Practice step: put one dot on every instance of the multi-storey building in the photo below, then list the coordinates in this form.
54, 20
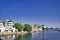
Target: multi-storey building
7, 25
36, 28
2, 27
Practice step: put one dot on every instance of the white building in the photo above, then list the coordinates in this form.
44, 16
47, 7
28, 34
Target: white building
7, 25
40, 29
2, 29
37, 28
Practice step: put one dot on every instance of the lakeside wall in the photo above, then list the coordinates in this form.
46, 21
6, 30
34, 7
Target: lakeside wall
13, 33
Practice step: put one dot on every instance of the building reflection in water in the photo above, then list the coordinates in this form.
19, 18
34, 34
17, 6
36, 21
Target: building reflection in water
29, 36
39, 35
35, 36
6, 37
44, 35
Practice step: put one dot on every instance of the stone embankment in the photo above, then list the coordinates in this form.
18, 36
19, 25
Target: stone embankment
13, 33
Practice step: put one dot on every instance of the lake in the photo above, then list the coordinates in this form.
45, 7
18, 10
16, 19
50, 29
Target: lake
44, 35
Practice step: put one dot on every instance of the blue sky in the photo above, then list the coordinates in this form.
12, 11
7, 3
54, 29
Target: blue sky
45, 12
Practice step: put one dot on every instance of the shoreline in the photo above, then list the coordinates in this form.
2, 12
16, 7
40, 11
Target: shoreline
14, 33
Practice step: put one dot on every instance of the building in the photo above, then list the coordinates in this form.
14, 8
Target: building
2, 27
36, 28
7, 25
39, 28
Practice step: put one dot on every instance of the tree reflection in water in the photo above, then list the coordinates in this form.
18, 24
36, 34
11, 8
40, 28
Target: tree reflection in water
24, 37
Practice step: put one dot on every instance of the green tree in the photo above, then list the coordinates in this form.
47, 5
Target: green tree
18, 26
28, 27
20, 37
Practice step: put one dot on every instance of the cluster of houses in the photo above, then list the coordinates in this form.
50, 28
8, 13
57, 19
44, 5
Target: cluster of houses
7, 26
37, 28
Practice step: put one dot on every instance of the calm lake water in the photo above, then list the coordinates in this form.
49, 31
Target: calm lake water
46, 35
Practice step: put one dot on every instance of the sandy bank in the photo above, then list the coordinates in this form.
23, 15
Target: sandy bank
13, 33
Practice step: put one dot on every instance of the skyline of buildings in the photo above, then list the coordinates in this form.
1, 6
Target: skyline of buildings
9, 21
7, 25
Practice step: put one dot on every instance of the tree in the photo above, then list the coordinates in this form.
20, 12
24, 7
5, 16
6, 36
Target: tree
28, 27
18, 26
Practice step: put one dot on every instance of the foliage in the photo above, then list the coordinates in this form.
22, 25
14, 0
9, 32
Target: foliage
20, 37
28, 27
28, 35
18, 26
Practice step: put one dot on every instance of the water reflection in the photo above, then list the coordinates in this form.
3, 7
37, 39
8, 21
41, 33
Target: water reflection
39, 36
20, 37
24, 37
6, 37
44, 35
28, 36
